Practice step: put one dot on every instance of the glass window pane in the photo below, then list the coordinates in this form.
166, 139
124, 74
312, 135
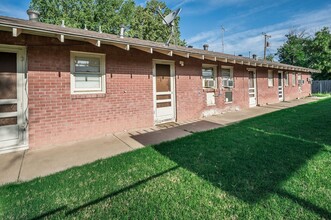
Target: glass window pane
8, 121
87, 64
163, 105
251, 79
228, 96
87, 81
163, 97
208, 73
226, 73
8, 108
163, 83
280, 79
8, 76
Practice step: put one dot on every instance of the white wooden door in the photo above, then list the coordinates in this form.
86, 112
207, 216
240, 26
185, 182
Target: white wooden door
252, 88
280, 86
164, 91
11, 98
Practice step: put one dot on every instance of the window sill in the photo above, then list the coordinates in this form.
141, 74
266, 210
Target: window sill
87, 96
209, 89
228, 103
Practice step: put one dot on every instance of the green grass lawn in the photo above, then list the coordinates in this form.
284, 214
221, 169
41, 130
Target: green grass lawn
276, 166
322, 94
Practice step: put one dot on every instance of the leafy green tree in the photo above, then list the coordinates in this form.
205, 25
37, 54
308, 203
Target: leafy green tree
147, 24
142, 22
308, 51
293, 51
270, 57
320, 53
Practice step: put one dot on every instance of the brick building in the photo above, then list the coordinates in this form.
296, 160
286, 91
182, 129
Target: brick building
60, 84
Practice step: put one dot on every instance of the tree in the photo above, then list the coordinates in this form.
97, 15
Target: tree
308, 51
320, 53
143, 22
270, 57
293, 51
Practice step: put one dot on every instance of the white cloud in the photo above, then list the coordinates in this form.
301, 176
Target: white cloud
252, 39
181, 3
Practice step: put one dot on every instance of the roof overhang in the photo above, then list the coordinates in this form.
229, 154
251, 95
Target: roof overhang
18, 26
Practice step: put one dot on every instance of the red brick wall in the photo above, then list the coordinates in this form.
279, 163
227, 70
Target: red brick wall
266, 95
56, 116
294, 92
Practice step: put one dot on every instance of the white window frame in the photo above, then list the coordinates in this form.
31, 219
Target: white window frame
214, 73
271, 80
229, 89
294, 78
287, 78
299, 78
102, 58
231, 73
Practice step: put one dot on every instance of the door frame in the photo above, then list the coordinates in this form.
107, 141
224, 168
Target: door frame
22, 94
255, 87
173, 83
282, 81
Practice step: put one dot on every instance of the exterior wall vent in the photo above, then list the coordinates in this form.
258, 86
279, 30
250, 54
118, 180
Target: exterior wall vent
33, 15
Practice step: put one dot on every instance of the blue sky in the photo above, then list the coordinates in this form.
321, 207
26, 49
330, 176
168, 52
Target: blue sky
243, 20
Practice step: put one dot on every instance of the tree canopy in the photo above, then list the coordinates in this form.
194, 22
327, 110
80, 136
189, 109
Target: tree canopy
142, 22
308, 51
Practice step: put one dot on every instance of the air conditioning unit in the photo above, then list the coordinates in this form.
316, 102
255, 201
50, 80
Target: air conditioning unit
301, 82
209, 83
227, 83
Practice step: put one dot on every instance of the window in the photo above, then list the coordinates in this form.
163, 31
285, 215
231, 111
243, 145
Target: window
87, 73
286, 78
270, 78
293, 79
227, 82
228, 96
227, 77
300, 81
209, 76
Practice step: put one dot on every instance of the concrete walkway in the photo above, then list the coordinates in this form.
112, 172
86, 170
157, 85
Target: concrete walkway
27, 165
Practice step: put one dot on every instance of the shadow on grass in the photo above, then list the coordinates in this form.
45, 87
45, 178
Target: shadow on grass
115, 193
305, 204
49, 213
251, 160
247, 163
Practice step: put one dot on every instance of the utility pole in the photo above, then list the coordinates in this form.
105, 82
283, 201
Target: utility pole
223, 30
266, 44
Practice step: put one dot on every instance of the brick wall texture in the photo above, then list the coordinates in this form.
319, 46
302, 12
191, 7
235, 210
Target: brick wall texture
56, 116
